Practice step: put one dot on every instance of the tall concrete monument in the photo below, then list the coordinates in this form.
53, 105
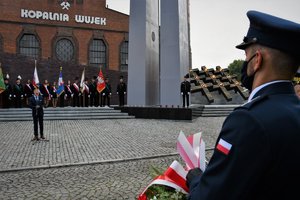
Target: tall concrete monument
159, 56
175, 49
143, 65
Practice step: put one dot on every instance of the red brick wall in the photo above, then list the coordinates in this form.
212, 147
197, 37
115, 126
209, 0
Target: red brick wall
12, 26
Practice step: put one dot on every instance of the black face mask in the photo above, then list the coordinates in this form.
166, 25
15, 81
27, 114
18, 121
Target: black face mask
246, 80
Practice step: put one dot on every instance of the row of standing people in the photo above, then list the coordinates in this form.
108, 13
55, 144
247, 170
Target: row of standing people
18, 95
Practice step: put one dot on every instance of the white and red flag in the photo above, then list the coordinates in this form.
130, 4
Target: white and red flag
223, 146
35, 80
101, 83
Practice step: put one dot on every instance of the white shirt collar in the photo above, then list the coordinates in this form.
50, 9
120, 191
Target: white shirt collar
262, 86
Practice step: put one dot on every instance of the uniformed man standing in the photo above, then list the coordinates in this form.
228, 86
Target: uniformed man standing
94, 95
28, 91
185, 90
18, 93
45, 90
68, 93
257, 152
7, 94
76, 92
85, 93
106, 93
121, 91
36, 104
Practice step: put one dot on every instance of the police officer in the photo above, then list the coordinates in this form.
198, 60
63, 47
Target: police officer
106, 93
36, 104
185, 90
121, 91
256, 154
6, 94
18, 93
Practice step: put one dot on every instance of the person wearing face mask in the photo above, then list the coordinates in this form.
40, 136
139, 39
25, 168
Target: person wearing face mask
256, 153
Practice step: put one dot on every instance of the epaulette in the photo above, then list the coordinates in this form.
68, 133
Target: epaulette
253, 102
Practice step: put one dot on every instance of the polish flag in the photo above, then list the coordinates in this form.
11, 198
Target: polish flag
224, 146
100, 84
35, 80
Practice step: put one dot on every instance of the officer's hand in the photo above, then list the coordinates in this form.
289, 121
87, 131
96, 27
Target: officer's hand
181, 93
88, 96
37, 106
124, 92
192, 174
188, 93
117, 92
103, 94
72, 95
110, 94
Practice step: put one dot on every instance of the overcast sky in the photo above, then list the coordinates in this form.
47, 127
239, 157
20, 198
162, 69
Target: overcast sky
218, 25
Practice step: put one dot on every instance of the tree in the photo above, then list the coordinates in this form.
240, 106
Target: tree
235, 68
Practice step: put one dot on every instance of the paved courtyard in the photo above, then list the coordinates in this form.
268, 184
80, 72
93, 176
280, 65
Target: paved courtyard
102, 159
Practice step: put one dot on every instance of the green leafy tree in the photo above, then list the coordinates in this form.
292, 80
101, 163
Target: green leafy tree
235, 68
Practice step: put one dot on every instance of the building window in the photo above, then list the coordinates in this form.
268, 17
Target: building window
124, 56
64, 50
97, 53
29, 46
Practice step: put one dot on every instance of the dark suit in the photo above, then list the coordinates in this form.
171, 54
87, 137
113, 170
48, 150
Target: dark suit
121, 90
6, 96
37, 113
263, 162
18, 95
106, 95
185, 90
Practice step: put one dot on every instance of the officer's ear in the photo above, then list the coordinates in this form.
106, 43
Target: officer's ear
258, 60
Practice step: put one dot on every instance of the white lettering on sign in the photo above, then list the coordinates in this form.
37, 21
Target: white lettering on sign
36, 14
90, 20
44, 15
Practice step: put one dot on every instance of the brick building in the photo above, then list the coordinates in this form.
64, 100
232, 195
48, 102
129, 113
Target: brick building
73, 34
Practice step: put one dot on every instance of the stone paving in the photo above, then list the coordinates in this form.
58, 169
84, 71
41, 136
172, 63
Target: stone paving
99, 159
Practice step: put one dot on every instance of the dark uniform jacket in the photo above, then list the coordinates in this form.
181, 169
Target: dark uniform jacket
263, 161
68, 91
33, 103
18, 91
28, 90
107, 89
185, 87
121, 88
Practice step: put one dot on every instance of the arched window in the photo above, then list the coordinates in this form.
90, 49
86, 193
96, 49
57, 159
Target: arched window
64, 50
97, 53
29, 46
124, 56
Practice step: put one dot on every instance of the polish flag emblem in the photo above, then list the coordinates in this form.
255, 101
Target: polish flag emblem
224, 146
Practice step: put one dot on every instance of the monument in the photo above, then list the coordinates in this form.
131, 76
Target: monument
143, 64
159, 55
175, 55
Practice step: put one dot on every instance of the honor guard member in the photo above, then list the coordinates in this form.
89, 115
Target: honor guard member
28, 91
185, 90
106, 93
68, 93
76, 92
257, 152
18, 93
94, 95
85, 93
121, 91
45, 90
6, 94
53, 90
36, 104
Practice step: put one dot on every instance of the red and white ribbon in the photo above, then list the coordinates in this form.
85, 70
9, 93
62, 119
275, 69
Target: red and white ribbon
192, 151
